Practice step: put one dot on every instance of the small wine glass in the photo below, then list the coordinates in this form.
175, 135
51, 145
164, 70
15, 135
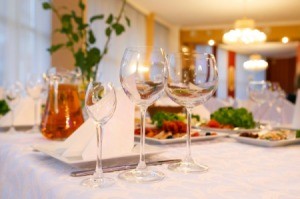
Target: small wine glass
259, 93
192, 80
34, 87
143, 75
13, 96
100, 103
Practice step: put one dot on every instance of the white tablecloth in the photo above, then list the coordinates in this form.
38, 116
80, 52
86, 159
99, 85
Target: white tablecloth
236, 170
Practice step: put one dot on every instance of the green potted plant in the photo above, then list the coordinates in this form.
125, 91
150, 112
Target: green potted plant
80, 38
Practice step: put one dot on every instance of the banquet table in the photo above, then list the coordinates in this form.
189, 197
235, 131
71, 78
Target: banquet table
236, 170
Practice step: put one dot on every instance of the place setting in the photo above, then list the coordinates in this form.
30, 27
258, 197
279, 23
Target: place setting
108, 134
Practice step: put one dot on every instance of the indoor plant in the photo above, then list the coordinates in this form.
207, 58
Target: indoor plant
80, 38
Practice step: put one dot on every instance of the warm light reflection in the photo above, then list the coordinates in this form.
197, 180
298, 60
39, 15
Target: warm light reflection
211, 42
285, 40
256, 63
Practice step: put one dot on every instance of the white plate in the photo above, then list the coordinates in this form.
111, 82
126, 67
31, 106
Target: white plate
182, 139
54, 151
236, 130
266, 143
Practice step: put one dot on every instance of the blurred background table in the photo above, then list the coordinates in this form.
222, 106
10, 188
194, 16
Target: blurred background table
236, 170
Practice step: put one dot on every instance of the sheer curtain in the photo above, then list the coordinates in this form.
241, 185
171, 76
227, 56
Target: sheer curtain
161, 36
25, 30
133, 36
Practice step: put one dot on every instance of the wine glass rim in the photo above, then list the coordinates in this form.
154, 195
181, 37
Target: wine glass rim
191, 53
138, 48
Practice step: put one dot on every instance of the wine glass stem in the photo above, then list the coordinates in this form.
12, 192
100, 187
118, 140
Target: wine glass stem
98, 171
188, 157
12, 119
142, 163
35, 126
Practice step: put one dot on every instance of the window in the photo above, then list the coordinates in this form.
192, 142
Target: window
25, 30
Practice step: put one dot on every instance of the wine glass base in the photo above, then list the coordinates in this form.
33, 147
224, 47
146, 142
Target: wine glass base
141, 176
11, 130
188, 167
93, 182
33, 130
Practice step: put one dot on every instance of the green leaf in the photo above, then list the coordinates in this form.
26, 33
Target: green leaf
82, 26
54, 48
108, 31
119, 28
127, 21
75, 37
92, 38
109, 19
69, 43
80, 59
96, 17
67, 26
47, 6
298, 134
4, 108
93, 57
81, 5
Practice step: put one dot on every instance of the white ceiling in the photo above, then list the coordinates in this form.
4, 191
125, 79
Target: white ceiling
203, 14
220, 13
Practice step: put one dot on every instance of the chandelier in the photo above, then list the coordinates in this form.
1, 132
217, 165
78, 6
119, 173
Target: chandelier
244, 33
256, 63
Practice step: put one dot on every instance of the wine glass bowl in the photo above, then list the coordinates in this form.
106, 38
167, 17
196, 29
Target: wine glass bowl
142, 76
192, 80
35, 85
259, 92
100, 102
13, 96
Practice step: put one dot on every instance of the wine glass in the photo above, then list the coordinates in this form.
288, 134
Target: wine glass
143, 75
34, 87
192, 80
259, 93
100, 103
13, 96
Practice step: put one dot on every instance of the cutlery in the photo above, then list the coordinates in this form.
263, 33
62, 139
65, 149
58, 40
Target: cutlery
120, 168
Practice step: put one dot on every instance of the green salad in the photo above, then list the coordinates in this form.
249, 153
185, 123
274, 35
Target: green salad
239, 117
159, 117
4, 108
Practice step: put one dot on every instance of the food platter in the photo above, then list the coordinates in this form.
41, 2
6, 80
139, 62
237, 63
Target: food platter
201, 137
230, 131
291, 139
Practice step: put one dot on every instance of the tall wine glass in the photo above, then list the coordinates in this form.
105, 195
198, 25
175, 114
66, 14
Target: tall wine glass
13, 96
34, 87
192, 80
259, 93
143, 75
100, 103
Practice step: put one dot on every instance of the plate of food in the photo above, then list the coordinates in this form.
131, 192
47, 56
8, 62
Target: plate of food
269, 138
231, 120
168, 128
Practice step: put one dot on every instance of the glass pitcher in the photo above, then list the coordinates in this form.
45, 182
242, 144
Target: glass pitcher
62, 114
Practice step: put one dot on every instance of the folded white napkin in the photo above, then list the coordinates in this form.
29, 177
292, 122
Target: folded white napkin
214, 104
279, 113
118, 137
23, 114
296, 115
202, 111
165, 101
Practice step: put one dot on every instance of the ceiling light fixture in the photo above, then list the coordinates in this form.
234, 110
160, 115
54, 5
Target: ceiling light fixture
244, 32
285, 40
256, 63
211, 42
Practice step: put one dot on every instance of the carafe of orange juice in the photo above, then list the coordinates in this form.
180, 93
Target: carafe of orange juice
62, 114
